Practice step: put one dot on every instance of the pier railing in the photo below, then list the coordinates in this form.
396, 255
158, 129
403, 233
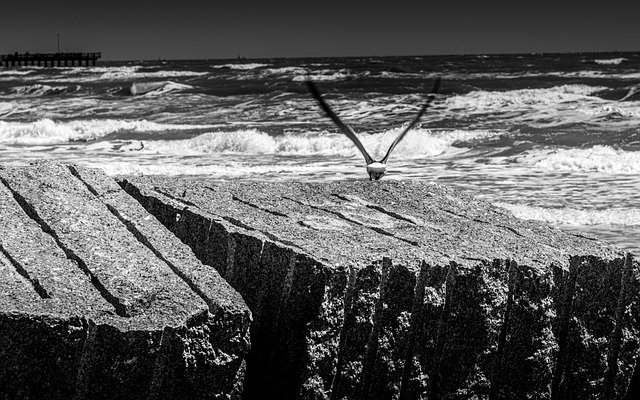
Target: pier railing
49, 59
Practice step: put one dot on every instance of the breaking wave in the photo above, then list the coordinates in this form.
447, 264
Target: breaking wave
418, 143
183, 168
576, 217
610, 61
241, 66
156, 88
15, 72
83, 74
596, 159
480, 99
47, 131
286, 70
325, 76
42, 90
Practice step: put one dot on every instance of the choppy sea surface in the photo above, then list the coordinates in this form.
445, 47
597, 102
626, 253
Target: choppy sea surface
552, 137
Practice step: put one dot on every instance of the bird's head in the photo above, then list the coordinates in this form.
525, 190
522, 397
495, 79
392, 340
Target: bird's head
376, 170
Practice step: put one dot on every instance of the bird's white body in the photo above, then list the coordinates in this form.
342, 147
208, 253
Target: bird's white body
376, 170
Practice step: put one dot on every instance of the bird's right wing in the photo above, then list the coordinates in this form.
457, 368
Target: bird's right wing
436, 87
346, 129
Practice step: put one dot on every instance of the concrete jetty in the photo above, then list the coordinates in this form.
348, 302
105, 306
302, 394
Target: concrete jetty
384, 290
99, 300
408, 290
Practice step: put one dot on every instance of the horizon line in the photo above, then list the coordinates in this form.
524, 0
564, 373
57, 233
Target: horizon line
245, 58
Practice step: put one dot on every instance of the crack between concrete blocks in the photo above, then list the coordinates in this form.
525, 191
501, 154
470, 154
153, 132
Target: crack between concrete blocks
120, 308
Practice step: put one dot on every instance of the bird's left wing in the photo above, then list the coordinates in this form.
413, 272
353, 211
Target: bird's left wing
436, 87
346, 129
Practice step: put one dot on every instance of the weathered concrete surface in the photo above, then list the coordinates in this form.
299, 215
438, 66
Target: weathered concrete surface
393, 290
99, 300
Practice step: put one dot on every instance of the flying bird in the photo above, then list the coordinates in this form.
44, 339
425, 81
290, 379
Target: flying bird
375, 169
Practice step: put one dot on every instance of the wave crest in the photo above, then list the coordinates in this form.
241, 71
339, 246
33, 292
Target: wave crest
481, 99
610, 61
156, 88
418, 143
596, 159
42, 90
242, 67
47, 131
576, 217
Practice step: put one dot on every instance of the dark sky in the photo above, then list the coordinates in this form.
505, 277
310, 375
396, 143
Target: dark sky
181, 29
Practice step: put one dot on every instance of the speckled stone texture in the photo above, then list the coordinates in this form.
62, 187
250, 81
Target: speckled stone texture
407, 290
98, 300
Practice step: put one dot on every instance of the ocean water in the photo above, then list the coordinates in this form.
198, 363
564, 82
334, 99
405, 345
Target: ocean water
552, 137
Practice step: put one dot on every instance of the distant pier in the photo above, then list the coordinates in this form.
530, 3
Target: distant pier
49, 59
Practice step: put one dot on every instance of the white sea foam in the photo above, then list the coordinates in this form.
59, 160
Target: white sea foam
603, 159
42, 90
47, 131
286, 70
610, 61
241, 66
98, 70
15, 72
590, 74
632, 91
134, 72
157, 88
182, 168
482, 100
576, 217
418, 143
299, 74
546, 108
630, 110
323, 76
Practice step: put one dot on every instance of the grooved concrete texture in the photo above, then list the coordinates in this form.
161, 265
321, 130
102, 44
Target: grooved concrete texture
407, 290
99, 300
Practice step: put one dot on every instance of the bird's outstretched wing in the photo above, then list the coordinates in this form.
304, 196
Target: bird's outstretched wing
346, 129
436, 86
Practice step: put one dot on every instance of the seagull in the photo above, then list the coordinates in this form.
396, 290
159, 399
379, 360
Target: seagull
375, 169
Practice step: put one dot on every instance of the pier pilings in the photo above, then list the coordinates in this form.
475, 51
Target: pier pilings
49, 59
